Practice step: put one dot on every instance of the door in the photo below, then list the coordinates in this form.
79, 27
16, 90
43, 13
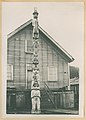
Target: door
29, 78
29, 75
28, 92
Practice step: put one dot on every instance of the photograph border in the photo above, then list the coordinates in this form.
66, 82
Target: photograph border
1, 64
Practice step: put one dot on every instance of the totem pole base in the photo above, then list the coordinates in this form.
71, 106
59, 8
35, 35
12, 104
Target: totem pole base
35, 105
36, 111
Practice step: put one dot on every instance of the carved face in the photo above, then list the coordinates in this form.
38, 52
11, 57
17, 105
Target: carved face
35, 72
35, 68
36, 84
35, 54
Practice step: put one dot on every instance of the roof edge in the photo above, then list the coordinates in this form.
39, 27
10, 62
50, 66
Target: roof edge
71, 58
19, 28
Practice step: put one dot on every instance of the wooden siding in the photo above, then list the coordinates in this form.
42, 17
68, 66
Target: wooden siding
48, 57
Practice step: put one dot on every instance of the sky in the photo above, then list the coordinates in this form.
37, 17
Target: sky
62, 21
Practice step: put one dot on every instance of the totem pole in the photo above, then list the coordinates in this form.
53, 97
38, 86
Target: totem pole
35, 85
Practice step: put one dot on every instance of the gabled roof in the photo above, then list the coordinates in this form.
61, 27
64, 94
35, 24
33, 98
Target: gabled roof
70, 58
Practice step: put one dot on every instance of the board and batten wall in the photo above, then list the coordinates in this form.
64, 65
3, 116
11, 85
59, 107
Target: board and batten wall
53, 66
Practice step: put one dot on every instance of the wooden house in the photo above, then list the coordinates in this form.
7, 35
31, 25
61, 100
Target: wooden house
53, 65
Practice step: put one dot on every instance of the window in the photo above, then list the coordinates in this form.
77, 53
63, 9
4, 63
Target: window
52, 73
28, 46
9, 72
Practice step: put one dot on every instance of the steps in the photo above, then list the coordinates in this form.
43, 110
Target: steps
46, 102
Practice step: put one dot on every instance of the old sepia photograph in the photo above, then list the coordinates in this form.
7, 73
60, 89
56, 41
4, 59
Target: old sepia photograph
43, 58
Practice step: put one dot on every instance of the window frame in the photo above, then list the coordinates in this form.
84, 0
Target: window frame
55, 77
26, 45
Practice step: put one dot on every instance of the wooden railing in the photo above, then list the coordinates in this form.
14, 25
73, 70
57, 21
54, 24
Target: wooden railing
49, 93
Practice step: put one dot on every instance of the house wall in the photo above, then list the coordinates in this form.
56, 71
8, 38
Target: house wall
48, 58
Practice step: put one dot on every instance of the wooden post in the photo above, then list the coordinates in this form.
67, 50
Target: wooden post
68, 77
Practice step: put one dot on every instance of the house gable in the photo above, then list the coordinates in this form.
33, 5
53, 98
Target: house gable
51, 40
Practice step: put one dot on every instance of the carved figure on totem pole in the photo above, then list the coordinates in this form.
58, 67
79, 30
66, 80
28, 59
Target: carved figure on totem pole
35, 96
36, 45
